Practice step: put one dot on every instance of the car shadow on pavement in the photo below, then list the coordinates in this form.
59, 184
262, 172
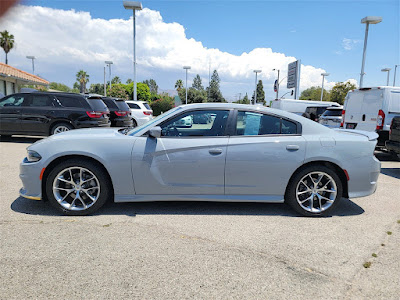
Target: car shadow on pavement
385, 156
19, 139
32, 207
393, 172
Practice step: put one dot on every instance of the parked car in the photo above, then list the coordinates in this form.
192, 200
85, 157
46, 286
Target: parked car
141, 112
274, 156
120, 114
299, 107
184, 122
393, 144
372, 109
332, 117
43, 113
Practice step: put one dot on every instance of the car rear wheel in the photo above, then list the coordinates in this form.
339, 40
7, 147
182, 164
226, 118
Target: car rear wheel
134, 123
78, 187
314, 191
60, 127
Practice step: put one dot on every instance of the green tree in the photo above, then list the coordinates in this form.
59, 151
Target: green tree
118, 90
340, 90
128, 81
179, 85
59, 87
245, 100
6, 42
115, 80
96, 88
82, 77
260, 93
143, 91
314, 93
152, 84
194, 95
197, 83
215, 93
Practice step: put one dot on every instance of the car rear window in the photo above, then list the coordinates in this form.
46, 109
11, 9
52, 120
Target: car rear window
110, 103
122, 105
69, 101
97, 104
332, 113
147, 105
133, 105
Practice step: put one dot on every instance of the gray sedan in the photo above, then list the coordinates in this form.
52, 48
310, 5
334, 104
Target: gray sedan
244, 153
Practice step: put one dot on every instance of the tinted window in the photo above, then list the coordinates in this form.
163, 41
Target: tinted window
147, 106
110, 103
332, 113
133, 105
68, 101
15, 100
97, 105
122, 105
40, 101
251, 123
197, 123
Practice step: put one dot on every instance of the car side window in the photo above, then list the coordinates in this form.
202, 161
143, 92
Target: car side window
252, 123
197, 123
133, 105
68, 101
11, 101
40, 101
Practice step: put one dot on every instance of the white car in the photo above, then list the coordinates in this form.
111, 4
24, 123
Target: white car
332, 117
141, 112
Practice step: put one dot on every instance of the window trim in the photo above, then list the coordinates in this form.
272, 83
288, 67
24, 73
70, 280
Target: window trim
299, 128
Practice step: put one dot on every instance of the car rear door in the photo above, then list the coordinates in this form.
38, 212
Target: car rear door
10, 113
183, 161
262, 155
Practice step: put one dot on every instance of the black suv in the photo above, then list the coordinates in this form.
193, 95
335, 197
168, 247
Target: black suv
44, 113
393, 144
120, 114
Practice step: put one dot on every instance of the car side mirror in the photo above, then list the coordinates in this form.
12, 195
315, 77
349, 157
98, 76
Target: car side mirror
155, 132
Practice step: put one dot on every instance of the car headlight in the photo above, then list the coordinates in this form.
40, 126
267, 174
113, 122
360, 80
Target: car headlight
33, 156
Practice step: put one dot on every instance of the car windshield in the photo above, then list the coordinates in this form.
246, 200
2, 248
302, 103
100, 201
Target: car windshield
148, 124
332, 113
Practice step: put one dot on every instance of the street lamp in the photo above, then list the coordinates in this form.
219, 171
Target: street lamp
388, 72
134, 5
367, 20
277, 84
322, 89
394, 78
255, 91
186, 68
33, 63
108, 64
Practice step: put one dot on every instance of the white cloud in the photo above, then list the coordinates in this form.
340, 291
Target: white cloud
349, 44
66, 41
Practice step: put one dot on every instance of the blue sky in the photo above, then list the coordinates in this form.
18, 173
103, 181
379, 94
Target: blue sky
323, 34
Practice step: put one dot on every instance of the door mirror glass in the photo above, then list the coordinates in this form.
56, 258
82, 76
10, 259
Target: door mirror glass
155, 132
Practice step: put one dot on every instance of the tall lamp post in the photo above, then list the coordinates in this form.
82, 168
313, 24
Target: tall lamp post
255, 91
367, 20
394, 78
134, 5
322, 89
388, 73
186, 68
277, 84
33, 63
108, 64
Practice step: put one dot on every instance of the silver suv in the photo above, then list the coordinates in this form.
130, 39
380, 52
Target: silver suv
332, 117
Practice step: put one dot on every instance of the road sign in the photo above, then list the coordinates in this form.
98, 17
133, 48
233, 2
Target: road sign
276, 86
292, 75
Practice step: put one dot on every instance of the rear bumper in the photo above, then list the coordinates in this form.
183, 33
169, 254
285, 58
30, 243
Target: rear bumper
90, 124
122, 122
393, 146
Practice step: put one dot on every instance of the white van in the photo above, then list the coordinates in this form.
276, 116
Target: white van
371, 109
299, 106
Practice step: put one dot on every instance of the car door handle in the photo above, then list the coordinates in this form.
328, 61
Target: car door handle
215, 151
292, 147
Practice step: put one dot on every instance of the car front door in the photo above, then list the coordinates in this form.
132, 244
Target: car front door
262, 155
188, 158
10, 114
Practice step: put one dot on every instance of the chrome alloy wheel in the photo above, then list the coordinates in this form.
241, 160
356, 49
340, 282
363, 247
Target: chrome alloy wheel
60, 128
76, 188
316, 192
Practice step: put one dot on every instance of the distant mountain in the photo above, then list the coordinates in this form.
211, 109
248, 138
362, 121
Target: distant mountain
172, 93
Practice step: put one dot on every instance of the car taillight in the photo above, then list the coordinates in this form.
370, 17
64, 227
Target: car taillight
95, 114
121, 113
147, 113
343, 113
380, 120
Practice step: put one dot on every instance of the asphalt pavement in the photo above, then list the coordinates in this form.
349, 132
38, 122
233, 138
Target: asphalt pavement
198, 250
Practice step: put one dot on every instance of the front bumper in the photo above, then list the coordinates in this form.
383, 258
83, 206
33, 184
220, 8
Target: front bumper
23, 193
29, 173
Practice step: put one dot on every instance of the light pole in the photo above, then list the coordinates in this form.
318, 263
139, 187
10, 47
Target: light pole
394, 78
105, 94
255, 91
277, 84
322, 89
108, 64
186, 68
33, 63
367, 20
388, 72
134, 5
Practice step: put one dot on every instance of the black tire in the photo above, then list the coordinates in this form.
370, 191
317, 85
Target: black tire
105, 191
134, 123
56, 126
294, 184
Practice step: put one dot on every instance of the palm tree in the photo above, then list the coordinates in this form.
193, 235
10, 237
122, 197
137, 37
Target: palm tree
179, 85
82, 77
6, 42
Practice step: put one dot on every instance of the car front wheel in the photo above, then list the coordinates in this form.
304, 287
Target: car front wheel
61, 127
314, 191
78, 187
